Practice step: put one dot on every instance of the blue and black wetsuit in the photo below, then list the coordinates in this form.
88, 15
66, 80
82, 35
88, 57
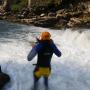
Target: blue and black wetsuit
44, 49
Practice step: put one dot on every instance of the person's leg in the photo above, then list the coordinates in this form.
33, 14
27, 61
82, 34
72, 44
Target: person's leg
46, 78
35, 81
35, 78
46, 82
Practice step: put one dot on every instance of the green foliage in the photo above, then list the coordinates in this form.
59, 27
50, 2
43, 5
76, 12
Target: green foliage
23, 3
16, 8
19, 5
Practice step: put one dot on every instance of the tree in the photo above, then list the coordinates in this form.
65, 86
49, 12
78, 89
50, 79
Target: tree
7, 5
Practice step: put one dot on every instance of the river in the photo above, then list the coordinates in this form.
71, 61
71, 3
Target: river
69, 72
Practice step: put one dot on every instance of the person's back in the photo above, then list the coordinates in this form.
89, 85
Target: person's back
44, 49
45, 54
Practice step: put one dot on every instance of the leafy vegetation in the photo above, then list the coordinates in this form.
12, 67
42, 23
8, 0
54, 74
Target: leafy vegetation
19, 5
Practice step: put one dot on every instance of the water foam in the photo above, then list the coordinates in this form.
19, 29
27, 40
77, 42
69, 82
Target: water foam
70, 72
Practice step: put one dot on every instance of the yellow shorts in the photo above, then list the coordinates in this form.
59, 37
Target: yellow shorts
42, 72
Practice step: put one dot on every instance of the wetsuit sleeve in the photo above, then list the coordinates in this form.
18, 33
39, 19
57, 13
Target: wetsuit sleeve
33, 52
56, 50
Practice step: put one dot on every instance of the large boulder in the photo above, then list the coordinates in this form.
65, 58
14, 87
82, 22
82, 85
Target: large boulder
48, 22
4, 79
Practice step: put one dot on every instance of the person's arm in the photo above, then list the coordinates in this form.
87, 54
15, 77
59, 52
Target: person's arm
33, 52
56, 50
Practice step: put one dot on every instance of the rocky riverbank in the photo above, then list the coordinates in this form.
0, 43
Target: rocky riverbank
68, 20
62, 18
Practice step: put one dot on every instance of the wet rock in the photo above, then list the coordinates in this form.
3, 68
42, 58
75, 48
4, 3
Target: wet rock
47, 22
51, 14
42, 15
89, 8
61, 14
62, 23
23, 14
4, 79
74, 22
27, 21
1, 14
75, 14
60, 11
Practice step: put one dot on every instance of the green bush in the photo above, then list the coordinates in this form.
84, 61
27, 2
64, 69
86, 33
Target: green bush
19, 5
16, 8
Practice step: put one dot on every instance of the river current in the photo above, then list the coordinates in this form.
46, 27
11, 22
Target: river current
69, 72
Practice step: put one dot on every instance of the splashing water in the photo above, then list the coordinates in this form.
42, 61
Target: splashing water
69, 72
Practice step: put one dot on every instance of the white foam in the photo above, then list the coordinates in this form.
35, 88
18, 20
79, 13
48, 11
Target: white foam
70, 72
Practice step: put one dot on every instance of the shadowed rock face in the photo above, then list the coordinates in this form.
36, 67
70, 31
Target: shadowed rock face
4, 79
66, 3
70, 3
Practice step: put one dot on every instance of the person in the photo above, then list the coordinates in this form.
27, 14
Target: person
44, 49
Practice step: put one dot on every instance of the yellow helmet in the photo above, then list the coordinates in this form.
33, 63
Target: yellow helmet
45, 36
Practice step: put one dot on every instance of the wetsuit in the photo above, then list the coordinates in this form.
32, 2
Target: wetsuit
44, 49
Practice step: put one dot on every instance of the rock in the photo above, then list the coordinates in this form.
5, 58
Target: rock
23, 14
75, 14
1, 14
51, 14
74, 22
89, 8
62, 23
60, 11
42, 15
47, 22
27, 21
20, 16
62, 14
4, 79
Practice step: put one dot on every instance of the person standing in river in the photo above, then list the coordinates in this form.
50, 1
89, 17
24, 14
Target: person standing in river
44, 49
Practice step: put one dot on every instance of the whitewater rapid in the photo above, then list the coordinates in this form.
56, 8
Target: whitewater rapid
69, 72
